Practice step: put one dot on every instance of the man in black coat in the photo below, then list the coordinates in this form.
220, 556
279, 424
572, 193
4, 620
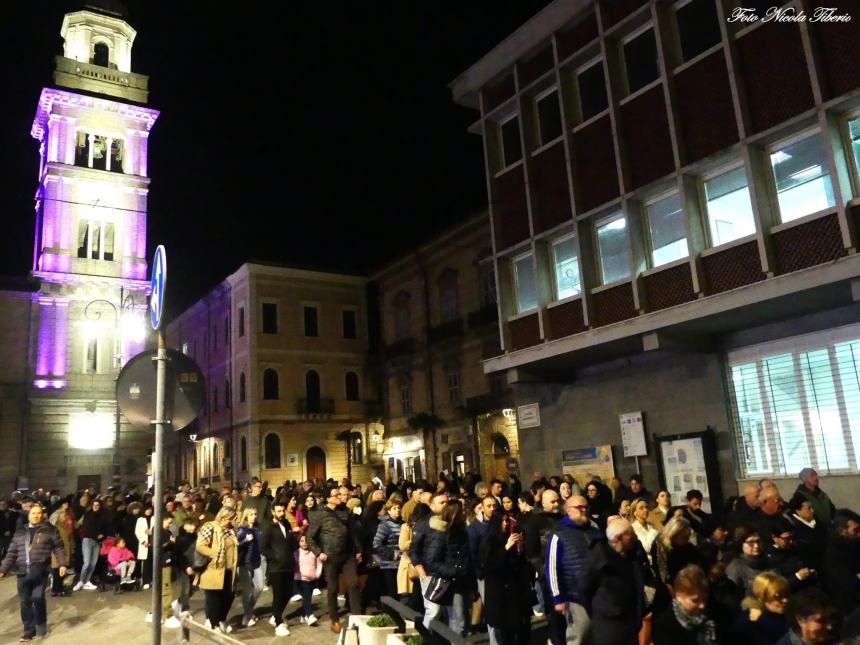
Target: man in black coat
699, 520
612, 587
842, 562
808, 534
536, 533
278, 546
332, 537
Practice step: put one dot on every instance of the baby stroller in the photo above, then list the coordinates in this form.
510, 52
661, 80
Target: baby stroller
110, 578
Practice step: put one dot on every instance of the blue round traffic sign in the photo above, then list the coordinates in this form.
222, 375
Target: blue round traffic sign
157, 282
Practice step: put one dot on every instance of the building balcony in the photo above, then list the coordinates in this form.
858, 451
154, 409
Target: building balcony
447, 331
400, 348
315, 406
486, 315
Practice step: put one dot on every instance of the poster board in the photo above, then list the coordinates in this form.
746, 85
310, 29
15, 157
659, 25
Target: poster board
687, 461
528, 416
586, 464
633, 434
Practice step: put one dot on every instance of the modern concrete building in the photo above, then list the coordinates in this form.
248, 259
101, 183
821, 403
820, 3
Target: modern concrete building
438, 317
673, 192
284, 354
66, 335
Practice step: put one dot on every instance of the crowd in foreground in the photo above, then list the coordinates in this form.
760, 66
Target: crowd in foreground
604, 563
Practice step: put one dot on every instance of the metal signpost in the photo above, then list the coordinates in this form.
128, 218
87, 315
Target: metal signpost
156, 306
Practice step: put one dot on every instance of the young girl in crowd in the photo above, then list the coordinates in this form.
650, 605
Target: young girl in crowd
308, 570
121, 561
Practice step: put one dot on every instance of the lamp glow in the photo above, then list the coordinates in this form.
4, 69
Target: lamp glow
133, 328
91, 430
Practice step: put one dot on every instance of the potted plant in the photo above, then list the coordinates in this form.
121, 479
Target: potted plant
409, 638
373, 630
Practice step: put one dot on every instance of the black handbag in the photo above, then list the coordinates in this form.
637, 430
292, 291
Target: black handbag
437, 590
198, 561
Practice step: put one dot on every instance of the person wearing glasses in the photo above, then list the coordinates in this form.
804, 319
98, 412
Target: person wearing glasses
750, 562
567, 550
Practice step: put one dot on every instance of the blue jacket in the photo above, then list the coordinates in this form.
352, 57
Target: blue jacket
385, 543
249, 552
477, 531
566, 551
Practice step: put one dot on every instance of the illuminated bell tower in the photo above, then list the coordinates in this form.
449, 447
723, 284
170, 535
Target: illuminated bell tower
89, 255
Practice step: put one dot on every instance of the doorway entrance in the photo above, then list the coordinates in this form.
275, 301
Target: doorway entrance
501, 453
315, 462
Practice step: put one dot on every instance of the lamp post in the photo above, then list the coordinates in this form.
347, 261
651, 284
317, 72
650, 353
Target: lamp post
126, 308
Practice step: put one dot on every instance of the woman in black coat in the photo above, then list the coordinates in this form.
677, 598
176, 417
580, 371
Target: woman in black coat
508, 580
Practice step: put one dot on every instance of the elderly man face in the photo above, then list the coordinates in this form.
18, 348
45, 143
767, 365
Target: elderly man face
751, 494
770, 501
576, 509
810, 479
549, 501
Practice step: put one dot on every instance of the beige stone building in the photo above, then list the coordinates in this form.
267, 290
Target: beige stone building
284, 354
439, 322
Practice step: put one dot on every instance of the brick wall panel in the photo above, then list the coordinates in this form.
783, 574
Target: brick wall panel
614, 305
525, 332
510, 211
668, 288
806, 245
566, 319
550, 196
735, 267
595, 176
646, 132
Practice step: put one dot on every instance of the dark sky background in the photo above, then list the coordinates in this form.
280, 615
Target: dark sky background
317, 134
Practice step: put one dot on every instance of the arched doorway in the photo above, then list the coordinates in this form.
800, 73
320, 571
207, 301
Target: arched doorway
315, 462
501, 453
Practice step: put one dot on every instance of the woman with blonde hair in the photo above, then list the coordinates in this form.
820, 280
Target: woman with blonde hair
249, 569
643, 529
672, 550
217, 541
762, 621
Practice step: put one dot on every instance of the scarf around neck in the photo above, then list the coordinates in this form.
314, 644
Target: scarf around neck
705, 627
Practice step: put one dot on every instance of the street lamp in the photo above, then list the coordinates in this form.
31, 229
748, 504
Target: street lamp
126, 325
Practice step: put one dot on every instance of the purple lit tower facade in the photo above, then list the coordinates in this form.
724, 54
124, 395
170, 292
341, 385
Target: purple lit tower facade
87, 317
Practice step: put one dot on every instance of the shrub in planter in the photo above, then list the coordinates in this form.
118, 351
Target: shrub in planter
381, 620
415, 639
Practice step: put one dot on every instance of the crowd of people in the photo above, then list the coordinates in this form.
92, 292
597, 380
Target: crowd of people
601, 562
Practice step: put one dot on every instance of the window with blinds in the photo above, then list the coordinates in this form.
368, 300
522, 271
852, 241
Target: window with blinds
796, 403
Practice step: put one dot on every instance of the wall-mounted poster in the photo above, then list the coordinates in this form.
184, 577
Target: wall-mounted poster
586, 464
293, 459
528, 416
633, 434
689, 461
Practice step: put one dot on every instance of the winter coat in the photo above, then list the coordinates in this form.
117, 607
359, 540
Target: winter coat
508, 580
8, 523
567, 551
405, 570
118, 555
612, 590
308, 566
441, 553
820, 502
333, 532
127, 530
249, 551
184, 542
666, 630
767, 629
386, 541
477, 530
97, 524
743, 570
210, 541
141, 526
841, 566
809, 541
279, 547
67, 535
536, 534
45, 542
657, 518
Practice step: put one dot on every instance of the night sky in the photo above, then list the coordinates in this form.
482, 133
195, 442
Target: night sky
316, 134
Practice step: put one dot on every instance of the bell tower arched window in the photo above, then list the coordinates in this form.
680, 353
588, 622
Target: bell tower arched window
101, 55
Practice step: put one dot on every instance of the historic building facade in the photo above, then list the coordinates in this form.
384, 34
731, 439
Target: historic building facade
675, 232
438, 322
68, 334
284, 354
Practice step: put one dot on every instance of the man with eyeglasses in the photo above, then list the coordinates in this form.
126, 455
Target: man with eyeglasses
783, 558
536, 532
567, 550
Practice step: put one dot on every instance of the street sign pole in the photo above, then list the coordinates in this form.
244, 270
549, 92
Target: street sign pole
158, 476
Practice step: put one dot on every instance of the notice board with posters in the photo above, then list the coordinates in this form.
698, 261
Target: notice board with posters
586, 464
687, 461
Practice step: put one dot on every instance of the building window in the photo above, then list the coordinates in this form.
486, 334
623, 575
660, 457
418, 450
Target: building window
449, 306
357, 448
311, 315
668, 234
698, 26
402, 315
854, 136
592, 90
453, 379
549, 116
95, 240
270, 318
352, 388
613, 249
215, 399
488, 284
802, 181
101, 55
243, 453
99, 152
730, 213
510, 140
525, 283
270, 385
405, 397
91, 355
241, 322
272, 445
566, 268
227, 395
312, 391
640, 60
241, 387
349, 324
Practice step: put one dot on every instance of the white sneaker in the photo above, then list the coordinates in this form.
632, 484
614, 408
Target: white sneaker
148, 618
172, 623
145, 587
207, 624
311, 620
296, 597
316, 592
252, 622
175, 606
272, 621
302, 620
90, 587
78, 586
224, 627
282, 630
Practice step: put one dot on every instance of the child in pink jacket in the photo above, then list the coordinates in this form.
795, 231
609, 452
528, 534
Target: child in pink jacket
121, 560
308, 570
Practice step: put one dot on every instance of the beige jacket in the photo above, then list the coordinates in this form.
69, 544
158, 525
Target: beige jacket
212, 577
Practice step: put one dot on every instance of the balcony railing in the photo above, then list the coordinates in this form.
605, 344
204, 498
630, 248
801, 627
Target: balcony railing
315, 406
447, 330
486, 315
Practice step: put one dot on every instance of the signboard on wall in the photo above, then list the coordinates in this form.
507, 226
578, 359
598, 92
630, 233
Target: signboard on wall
586, 464
528, 416
633, 434
690, 461
293, 459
